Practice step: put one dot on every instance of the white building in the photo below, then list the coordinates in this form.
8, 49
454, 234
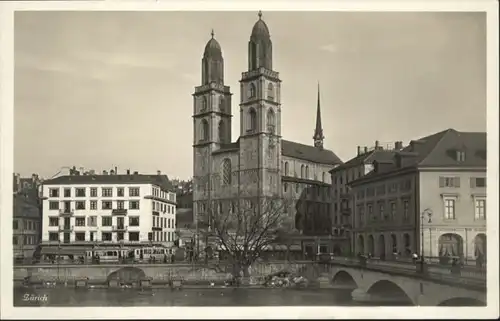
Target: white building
129, 209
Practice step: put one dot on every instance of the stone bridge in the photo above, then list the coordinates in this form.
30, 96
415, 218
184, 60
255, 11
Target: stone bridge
403, 284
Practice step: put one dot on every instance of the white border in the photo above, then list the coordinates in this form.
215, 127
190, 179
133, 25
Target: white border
6, 162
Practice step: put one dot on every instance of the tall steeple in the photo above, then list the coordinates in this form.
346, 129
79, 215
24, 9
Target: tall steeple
318, 132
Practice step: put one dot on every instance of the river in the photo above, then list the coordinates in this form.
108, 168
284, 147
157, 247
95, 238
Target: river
71, 297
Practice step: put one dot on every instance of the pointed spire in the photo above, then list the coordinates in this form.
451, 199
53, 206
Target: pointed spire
318, 132
212, 33
260, 14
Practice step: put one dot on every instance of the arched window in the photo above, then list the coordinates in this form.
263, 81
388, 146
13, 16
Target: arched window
251, 91
286, 168
270, 91
221, 103
222, 132
307, 172
226, 171
252, 120
285, 187
204, 130
270, 121
302, 171
204, 103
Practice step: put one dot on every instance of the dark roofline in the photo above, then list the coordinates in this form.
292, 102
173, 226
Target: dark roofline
123, 179
303, 181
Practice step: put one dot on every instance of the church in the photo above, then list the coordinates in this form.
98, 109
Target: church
259, 164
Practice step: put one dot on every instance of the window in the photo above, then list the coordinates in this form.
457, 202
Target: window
67, 192
93, 205
226, 172
204, 103
107, 192
480, 209
54, 192
406, 209
15, 224
271, 122
80, 221
393, 210
449, 181
133, 191
478, 182
106, 221
80, 205
92, 221
381, 211
221, 103
107, 205
120, 205
133, 236
53, 221
133, 205
120, 191
93, 192
80, 236
53, 205
133, 221
361, 215
222, 132
285, 187
106, 236
80, 192
252, 120
204, 130
251, 91
449, 209
324, 177
14, 240
460, 156
53, 236
286, 169
307, 172
270, 92
302, 171
370, 212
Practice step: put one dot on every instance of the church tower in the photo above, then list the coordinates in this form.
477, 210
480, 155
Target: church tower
211, 123
260, 116
318, 132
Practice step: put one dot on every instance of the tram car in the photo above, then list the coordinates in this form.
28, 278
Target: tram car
106, 255
151, 254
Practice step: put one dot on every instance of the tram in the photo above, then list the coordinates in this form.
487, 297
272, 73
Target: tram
157, 254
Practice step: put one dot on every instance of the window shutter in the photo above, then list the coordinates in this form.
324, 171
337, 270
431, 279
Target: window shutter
472, 182
441, 182
456, 182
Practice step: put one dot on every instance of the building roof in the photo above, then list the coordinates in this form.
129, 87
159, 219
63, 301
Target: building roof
159, 180
437, 150
213, 49
260, 29
380, 155
309, 153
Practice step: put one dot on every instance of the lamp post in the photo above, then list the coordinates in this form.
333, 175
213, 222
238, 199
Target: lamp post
427, 212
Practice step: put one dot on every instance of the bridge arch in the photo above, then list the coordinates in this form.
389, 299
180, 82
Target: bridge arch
385, 290
462, 302
127, 274
343, 278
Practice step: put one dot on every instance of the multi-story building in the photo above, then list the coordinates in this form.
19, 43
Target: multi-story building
26, 226
342, 175
430, 198
127, 209
260, 164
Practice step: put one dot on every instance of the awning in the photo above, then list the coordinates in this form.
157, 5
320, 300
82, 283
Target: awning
54, 250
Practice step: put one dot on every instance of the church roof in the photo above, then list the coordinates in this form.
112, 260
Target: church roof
212, 48
309, 153
260, 29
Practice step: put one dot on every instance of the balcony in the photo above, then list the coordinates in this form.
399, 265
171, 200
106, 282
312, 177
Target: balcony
66, 228
121, 211
120, 228
66, 211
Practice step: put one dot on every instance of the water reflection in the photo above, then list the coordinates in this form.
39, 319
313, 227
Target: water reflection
186, 297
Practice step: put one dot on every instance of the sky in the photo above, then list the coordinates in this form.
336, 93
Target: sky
104, 89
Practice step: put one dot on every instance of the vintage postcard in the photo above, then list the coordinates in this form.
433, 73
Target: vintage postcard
245, 160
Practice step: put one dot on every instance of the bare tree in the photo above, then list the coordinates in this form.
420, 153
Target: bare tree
245, 228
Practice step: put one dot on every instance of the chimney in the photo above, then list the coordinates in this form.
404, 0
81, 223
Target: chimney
158, 172
359, 150
398, 145
116, 170
92, 172
377, 145
136, 173
128, 171
111, 172
104, 172
366, 149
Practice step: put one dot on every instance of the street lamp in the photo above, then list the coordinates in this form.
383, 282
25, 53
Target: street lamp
427, 212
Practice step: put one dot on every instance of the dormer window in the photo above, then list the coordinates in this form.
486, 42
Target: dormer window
460, 156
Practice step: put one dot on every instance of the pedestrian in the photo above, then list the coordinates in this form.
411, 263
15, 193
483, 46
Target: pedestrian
415, 257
